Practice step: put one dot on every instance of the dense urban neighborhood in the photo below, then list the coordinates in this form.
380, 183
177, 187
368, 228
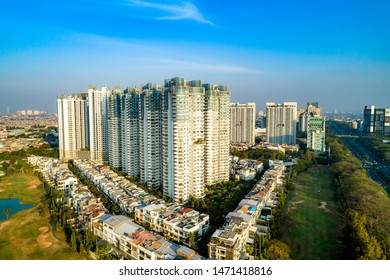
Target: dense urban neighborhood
274, 195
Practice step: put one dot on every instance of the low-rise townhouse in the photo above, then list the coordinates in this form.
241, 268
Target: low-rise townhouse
136, 243
240, 227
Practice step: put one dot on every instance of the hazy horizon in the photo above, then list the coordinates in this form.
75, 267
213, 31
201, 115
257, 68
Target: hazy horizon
335, 52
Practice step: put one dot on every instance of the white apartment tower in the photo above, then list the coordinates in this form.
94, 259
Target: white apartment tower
217, 134
72, 125
281, 123
130, 131
150, 136
98, 126
183, 139
114, 120
242, 123
195, 152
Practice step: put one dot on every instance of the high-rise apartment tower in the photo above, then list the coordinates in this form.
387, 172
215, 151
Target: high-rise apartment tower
281, 123
98, 123
72, 125
242, 123
194, 151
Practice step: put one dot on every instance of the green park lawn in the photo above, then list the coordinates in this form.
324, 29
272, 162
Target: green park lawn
314, 231
27, 234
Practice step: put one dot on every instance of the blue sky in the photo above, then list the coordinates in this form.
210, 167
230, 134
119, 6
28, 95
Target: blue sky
333, 52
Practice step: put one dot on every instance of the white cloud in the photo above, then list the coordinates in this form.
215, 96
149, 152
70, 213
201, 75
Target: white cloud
150, 54
216, 67
185, 10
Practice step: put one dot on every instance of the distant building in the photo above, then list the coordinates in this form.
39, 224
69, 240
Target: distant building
261, 122
303, 118
242, 123
316, 134
21, 113
300, 111
313, 108
376, 120
281, 123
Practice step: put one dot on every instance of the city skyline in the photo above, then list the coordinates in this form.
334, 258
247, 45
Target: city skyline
333, 52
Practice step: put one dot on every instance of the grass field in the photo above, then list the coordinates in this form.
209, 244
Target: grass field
314, 232
21, 186
27, 234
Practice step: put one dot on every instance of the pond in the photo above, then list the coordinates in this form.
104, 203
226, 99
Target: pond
13, 204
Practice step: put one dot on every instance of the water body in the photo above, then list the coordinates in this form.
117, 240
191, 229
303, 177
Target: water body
14, 206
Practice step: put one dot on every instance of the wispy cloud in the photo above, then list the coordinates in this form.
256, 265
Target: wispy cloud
184, 10
148, 54
216, 67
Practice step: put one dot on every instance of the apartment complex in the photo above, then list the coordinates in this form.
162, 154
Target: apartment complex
174, 138
72, 125
281, 123
376, 120
242, 123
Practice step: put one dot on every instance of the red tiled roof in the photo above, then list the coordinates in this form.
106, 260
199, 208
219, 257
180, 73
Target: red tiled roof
136, 241
186, 210
262, 193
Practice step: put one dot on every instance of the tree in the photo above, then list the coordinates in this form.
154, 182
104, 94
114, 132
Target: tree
277, 250
364, 245
193, 202
103, 250
82, 249
249, 249
147, 226
6, 212
192, 239
73, 241
282, 200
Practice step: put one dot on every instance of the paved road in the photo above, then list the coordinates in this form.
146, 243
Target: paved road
366, 157
370, 169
